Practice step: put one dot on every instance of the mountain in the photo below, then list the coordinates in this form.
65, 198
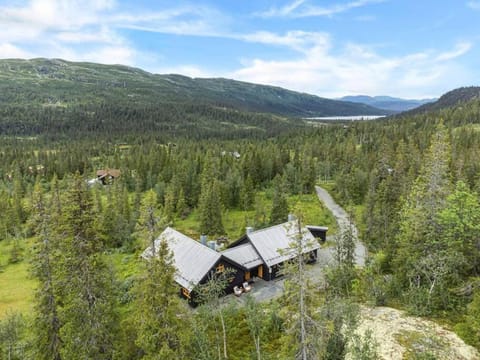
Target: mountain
387, 102
452, 98
54, 82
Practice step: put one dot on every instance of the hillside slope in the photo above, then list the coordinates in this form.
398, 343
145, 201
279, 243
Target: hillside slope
449, 99
57, 82
387, 102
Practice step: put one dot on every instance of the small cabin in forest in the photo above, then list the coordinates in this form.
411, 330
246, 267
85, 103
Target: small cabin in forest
106, 176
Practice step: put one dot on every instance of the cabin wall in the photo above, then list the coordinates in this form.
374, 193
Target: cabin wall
237, 277
319, 234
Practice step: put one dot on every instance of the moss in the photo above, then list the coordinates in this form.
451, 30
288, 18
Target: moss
419, 345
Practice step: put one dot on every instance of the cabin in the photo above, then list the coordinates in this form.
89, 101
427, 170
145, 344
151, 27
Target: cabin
318, 232
260, 254
106, 176
263, 252
195, 263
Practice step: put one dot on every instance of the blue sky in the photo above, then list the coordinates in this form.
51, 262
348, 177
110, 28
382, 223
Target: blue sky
407, 48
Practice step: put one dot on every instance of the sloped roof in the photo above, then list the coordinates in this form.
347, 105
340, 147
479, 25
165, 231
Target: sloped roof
273, 243
192, 259
244, 255
319, 228
108, 172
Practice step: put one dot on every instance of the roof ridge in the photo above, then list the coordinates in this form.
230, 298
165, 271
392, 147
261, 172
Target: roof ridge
191, 239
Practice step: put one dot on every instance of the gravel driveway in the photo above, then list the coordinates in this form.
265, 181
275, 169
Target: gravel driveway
343, 221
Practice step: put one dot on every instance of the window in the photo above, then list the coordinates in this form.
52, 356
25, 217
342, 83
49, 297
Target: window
186, 293
220, 268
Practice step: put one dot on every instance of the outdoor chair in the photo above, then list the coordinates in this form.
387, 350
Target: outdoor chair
237, 291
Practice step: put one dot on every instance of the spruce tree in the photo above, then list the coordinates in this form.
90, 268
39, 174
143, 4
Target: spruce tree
421, 259
88, 313
279, 211
210, 207
46, 323
157, 306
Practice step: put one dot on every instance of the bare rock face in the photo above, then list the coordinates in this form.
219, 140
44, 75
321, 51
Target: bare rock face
400, 336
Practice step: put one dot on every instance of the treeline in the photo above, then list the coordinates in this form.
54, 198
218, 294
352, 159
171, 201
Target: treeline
182, 175
125, 121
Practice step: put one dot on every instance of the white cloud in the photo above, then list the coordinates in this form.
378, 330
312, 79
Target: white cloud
90, 30
186, 70
283, 11
330, 71
475, 5
11, 51
297, 40
460, 49
300, 8
42, 15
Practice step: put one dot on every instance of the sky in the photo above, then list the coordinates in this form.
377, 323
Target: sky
331, 48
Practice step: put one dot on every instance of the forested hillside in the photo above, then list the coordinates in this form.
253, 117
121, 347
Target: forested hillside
411, 184
59, 84
452, 98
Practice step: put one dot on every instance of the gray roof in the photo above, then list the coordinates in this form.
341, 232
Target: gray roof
314, 227
244, 255
273, 243
192, 259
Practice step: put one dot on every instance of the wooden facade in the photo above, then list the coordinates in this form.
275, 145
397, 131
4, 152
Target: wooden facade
258, 254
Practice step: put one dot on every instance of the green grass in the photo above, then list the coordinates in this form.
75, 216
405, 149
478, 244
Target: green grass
16, 285
235, 220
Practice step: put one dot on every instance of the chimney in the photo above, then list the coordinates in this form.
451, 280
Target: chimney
249, 230
212, 245
291, 217
203, 239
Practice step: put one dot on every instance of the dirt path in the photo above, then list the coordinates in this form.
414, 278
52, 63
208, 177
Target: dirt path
343, 222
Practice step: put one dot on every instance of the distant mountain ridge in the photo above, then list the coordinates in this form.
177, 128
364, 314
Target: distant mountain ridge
452, 98
387, 102
55, 82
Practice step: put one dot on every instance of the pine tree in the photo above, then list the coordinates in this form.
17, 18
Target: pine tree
169, 207
247, 194
304, 333
44, 264
158, 307
210, 207
88, 313
460, 224
421, 260
279, 211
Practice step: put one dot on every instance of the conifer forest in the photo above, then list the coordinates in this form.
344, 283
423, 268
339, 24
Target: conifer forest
73, 284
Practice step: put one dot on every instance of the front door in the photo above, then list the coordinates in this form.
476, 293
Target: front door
260, 271
247, 275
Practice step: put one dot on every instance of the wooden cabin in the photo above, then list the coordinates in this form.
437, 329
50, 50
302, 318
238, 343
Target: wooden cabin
258, 253
106, 176
263, 252
195, 263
